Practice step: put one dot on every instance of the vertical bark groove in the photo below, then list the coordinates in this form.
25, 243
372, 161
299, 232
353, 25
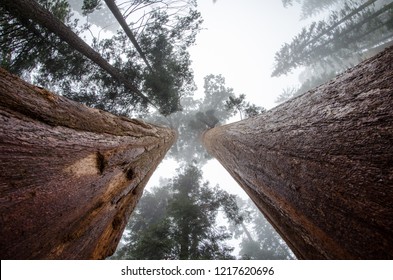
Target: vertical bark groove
70, 176
320, 166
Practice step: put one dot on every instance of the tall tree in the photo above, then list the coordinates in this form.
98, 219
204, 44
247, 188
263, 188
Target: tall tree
197, 116
311, 7
261, 241
25, 44
319, 166
178, 221
345, 36
31, 10
119, 17
70, 176
244, 108
161, 37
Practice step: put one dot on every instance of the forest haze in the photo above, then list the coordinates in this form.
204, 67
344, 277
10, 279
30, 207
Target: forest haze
141, 59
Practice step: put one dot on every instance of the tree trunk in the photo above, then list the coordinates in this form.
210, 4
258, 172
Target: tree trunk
70, 176
119, 17
320, 166
27, 10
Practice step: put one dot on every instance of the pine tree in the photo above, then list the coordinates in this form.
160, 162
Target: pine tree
178, 221
344, 37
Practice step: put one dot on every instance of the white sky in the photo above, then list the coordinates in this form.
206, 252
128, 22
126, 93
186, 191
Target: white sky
239, 41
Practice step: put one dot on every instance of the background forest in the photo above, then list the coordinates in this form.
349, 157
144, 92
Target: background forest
135, 58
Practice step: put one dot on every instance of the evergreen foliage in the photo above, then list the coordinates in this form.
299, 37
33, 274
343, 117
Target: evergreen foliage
244, 108
353, 31
341, 40
178, 221
28, 48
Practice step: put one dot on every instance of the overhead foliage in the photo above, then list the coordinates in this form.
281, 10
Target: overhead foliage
25, 45
167, 48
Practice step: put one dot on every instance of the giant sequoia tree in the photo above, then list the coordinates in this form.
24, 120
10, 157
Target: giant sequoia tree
320, 165
70, 175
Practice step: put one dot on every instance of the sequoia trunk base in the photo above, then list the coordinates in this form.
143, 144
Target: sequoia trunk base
70, 176
320, 166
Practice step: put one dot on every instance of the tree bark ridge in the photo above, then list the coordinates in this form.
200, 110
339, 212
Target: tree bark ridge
70, 176
320, 166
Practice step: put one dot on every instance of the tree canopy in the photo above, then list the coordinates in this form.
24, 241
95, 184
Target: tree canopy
164, 40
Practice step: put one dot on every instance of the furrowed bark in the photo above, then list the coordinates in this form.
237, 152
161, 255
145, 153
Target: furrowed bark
320, 166
70, 176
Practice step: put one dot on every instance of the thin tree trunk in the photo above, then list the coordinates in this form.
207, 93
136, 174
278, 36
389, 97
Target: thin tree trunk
320, 166
353, 28
338, 23
70, 176
247, 232
119, 17
27, 10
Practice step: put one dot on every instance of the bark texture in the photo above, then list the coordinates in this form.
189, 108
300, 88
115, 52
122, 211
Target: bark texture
320, 166
70, 176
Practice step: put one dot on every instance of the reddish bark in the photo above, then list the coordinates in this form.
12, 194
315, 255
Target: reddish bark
320, 166
70, 176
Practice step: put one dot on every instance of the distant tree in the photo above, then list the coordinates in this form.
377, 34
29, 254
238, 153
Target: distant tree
242, 107
310, 7
178, 221
340, 41
208, 119
265, 244
286, 94
197, 115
